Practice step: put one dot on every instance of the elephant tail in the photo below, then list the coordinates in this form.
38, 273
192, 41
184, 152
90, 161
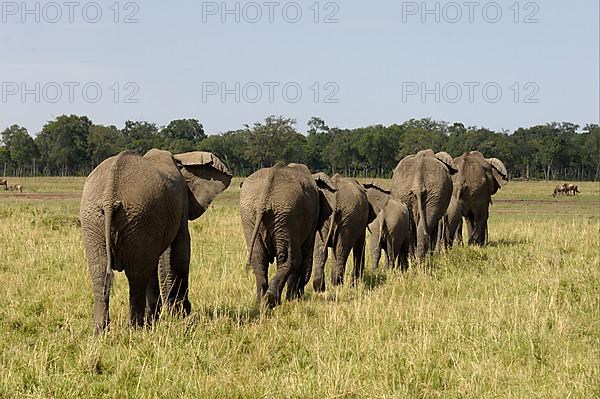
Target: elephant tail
109, 205
412, 232
330, 232
257, 223
421, 199
108, 212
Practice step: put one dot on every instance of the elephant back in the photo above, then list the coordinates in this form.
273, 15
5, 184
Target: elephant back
148, 198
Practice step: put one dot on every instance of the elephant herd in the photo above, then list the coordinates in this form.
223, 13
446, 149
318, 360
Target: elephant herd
135, 212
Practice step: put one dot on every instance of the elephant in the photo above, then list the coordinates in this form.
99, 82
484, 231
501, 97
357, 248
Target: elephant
281, 209
478, 179
344, 231
134, 218
393, 235
4, 182
424, 183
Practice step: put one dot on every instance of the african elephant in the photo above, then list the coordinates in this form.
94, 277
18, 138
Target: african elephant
478, 179
281, 209
393, 235
134, 218
344, 231
424, 183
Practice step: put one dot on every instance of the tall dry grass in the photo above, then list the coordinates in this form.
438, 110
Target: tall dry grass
518, 318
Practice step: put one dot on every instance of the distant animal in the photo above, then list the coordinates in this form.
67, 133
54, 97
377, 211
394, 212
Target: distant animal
16, 187
571, 189
281, 210
4, 182
134, 217
558, 190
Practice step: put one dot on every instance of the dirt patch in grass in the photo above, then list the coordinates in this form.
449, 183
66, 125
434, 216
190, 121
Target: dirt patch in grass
40, 196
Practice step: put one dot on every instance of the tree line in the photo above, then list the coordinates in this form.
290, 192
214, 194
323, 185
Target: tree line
74, 145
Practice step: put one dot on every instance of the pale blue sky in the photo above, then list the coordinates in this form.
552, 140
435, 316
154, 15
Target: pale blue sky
370, 55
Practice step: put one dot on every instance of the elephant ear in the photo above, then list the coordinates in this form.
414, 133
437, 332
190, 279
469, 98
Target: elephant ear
447, 160
499, 171
378, 197
327, 193
206, 177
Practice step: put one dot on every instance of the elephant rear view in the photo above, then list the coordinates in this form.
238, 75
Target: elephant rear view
423, 182
281, 209
134, 218
344, 231
391, 231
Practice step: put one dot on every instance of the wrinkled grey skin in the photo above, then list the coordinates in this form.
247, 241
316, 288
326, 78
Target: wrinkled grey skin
423, 182
281, 209
393, 235
450, 226
477, 180
137, 210
344, 231
377, 196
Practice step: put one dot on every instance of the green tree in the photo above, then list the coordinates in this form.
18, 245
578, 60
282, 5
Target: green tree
104, 142
141, 136
275, 140
62, 143
22, 148
182, 135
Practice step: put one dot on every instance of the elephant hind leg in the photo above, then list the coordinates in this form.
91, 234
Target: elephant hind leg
403, 255
339, 265
101, 315
137, 299
288, 260
321, 253
174, 266
96, 255
153, 300
358, 253
375, 245
260, 267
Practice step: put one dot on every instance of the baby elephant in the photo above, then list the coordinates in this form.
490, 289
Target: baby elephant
392, 232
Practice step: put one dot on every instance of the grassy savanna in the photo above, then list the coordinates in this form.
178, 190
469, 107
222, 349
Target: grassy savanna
519, 318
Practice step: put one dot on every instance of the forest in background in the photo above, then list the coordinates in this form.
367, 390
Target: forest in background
74, 145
